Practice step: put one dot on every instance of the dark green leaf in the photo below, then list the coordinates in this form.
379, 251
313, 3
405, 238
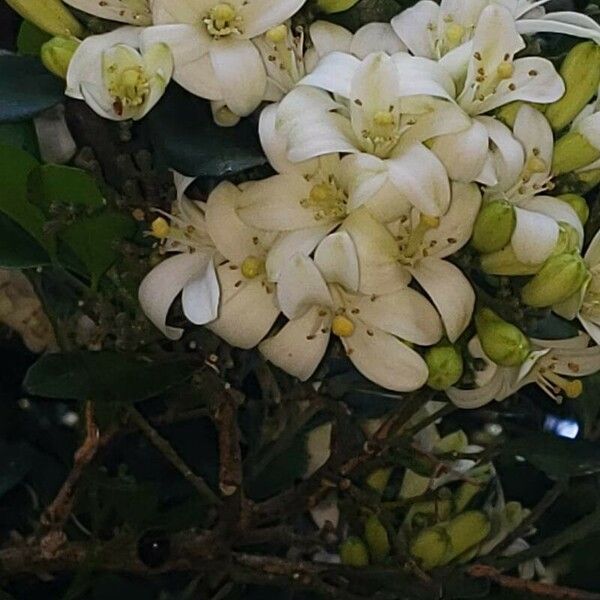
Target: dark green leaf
31, 39
26, 88
366, 11
104, 376
51, 184
552, 327
18, 250
557, 457
587, 406
94, 240
185, 136
21, 135
15, 462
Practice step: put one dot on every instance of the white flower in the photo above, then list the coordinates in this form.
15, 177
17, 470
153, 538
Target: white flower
433, 30
415, 246
134, 12
115, 80
487, 76
522, 166
382, 113
554, 365
319, 298
211, 44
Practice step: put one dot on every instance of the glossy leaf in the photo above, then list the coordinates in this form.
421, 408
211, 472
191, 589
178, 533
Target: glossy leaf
18, 250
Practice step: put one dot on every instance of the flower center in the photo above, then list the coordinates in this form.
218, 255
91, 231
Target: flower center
342, 326
411, 246
223, 20
128, 87
383, 135
555, 385
252, 267
326, 201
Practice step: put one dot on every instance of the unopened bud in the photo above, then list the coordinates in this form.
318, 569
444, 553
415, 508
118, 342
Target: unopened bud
580, 71
430, 547
505, 262
568, 240
588, 180
377, 539
560, 277
508, 113
573, 151
453, 442
354, 553
429, 512
379, 479
464, 494
445, 365
578, 204
51, 16
56, 54
335, 6
493, 227
465, 531
504, 343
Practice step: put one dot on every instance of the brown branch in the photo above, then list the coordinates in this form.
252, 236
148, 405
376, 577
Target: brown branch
230, 453
531, 587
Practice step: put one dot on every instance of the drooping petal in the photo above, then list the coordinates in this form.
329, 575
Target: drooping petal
163, 284
413, 26
375, 37
301, 286
200, 298
300, 346
337, 260
260, 15
568, 23
405, 313
534, 237
247, 310
478, 397
328, 37
449, 290
334, 73
385, 360
240, 71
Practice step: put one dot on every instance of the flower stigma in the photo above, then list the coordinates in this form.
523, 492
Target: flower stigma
222, 20
416, 237
160, 228
128, 87
326, 201
252, 267
342, 326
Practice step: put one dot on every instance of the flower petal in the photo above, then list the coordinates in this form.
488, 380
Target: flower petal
200, 298
334, 73
413, 27
478, 397
534, 237
532, 129
337, 260
134, 12
423, 76
568, 23
328, 37
375, 37
260, 15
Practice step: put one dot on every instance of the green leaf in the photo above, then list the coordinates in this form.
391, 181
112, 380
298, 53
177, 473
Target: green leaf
26, 88
51, 184
366, 11
18, 250
22, 135
104, 376
557, 457
94, 240
186, 138
31, 39
15, 462
587, 406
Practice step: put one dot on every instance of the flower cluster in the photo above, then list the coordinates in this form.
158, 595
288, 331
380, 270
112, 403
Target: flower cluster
396, 150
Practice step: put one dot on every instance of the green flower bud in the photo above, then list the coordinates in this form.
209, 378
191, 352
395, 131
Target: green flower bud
573, 151
464, 494
502, 342
560, 277
453, 442
504, 262
578, 204
568, 240
335, 6
445, 365
56, 55
354, 553
581, 73
377, 539
430, 547
588, 180
429, 512
493, 227
51, 16
465, 531
508, 113
379, 479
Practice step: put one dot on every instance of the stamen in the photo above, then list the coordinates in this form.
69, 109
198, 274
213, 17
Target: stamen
342, 326
277, 34
160, 228
426, 222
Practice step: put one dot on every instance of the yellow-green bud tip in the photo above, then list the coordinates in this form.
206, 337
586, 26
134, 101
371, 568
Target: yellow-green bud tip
335, 6
445, 365
504, 343
493, 227
56, 54
377, 539
354, 553
573, 151
578, 204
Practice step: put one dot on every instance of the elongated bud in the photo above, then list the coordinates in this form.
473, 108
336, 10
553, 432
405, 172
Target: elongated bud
445, 365
354, 553
464, 494
503, 343
560, 277
430, 547
335, 6
568, 240
505, 262
493, 227
578, 148
578, 204
453, 442
57, 53
379, 479
51, 16
580, 71
429, 512
377, 539
465, 531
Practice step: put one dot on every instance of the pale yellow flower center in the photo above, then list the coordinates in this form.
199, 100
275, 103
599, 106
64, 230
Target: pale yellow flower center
223, 20
454, 34
342, 326
128, 87
252, 267
326, 201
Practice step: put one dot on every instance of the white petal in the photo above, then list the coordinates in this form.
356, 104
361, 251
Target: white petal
578, 363
568, 23
449, 290
475, 398
413, 27
334, 73
163, 284
318, 447
180, 11
421, 179
337, 260
591, 328
261, 15
534, 237
247, 310
532, 129
328, 37
301, 286
200, 298
300, 346
241, 74
406, 314
302, 101
423, 76
385, 360
134, 12
375, 37
98, 99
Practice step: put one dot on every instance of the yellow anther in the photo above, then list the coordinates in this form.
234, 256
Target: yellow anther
536, 165
222, 12
384, 118
455, 33
429, 221
505, 70
574, 388
277, 34
342, 326
160, 228
252, 267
